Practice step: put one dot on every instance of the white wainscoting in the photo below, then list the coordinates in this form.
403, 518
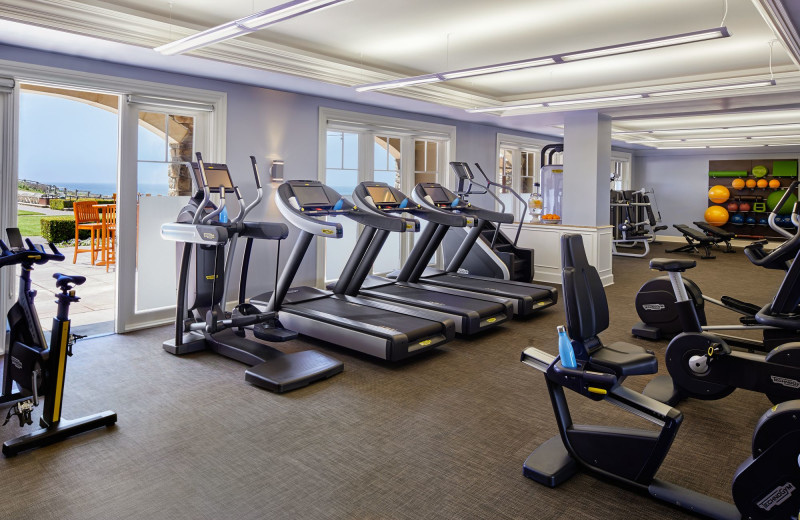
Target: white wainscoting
545, 240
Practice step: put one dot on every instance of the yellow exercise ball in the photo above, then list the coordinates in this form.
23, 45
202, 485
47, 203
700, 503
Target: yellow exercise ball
774, 183
737, 184
762, 183
716, 215
719, 194
751, 183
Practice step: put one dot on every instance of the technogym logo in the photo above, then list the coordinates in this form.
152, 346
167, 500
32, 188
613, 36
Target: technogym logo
777, 496
785, 381
654, 306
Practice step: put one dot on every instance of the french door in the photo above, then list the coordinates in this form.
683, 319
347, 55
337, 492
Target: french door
8, 192
154, 184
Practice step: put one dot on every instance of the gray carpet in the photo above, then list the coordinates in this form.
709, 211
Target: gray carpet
442, 436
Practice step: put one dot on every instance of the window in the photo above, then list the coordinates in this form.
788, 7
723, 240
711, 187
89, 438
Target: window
360, 147
518, 168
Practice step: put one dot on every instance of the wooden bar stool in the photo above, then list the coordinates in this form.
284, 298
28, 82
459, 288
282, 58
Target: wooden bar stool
108, 220
88, 218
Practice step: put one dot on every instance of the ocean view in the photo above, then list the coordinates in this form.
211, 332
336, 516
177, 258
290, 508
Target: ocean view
107, 189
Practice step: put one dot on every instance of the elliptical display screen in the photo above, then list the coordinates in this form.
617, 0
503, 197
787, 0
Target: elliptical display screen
216, 174
437, 194
311, 196
381, 194
462, 170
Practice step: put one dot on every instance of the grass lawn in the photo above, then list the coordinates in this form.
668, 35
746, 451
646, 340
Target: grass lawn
28, 223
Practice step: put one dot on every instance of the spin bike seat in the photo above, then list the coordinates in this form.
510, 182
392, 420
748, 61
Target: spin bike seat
671, 265
63, 281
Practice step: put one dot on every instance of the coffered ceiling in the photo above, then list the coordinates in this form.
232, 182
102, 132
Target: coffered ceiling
365, 41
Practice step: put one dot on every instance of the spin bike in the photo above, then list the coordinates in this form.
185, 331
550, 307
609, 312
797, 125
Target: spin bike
656, 305
32, 371
765, 485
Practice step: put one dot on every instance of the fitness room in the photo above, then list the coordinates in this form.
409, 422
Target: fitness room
348, 256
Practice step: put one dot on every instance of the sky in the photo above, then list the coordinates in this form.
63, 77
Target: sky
61, 140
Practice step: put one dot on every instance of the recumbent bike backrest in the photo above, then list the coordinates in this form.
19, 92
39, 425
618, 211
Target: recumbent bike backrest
584, 297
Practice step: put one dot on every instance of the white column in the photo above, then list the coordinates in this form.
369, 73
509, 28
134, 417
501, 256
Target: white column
587, 169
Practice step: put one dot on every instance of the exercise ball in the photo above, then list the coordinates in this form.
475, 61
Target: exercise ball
744, 206
737, 184
716, 215
737, 219
774, 183
775, 197
719, 194
733, 207
751, 183
750, 220
762, 183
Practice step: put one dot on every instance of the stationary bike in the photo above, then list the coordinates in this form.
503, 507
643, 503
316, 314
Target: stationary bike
703, 365
656, 307
32, 371
765, 485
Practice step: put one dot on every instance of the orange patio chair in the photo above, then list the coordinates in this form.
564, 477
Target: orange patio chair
109, 223
86, 217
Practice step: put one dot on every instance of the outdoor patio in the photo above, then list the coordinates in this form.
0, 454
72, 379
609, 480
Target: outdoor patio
94, 314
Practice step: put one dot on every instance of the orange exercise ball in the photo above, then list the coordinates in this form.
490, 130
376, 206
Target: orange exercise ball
737, 184
774, 183
751, 183
716, 215
719, 194
762, 183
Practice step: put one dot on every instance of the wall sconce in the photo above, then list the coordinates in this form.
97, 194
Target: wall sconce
276, 170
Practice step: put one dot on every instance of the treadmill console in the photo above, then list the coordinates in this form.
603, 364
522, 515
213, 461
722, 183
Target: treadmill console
382, 196
311, 197
217, 176
438, 195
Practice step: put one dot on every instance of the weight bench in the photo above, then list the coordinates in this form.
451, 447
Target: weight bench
718, 234
694, 238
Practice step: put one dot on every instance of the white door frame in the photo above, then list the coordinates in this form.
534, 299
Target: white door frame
157, 94
9, 112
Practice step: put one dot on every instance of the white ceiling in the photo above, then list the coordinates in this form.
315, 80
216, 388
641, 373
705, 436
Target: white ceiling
364, 41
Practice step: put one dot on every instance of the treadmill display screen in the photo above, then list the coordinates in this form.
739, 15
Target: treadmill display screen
381, 194
437, 194
462, 170
311, 196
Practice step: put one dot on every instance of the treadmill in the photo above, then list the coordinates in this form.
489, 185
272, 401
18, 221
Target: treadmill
472, 312
375, 328
527, 298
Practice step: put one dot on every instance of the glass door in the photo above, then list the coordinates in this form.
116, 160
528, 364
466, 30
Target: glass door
155, 184
341, 174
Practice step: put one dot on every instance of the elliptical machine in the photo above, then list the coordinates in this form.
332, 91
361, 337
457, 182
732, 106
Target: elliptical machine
656, 304
32, 370
703, 365
765, 484
201, 320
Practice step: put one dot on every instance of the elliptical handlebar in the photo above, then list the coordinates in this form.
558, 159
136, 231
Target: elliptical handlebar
774, 213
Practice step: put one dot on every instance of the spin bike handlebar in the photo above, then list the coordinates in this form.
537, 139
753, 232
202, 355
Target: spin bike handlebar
31, 255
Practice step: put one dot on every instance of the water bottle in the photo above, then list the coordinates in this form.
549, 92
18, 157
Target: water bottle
223, 215
565, 350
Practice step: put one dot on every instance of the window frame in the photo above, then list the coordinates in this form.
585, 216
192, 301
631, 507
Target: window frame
368, 126
517, 145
